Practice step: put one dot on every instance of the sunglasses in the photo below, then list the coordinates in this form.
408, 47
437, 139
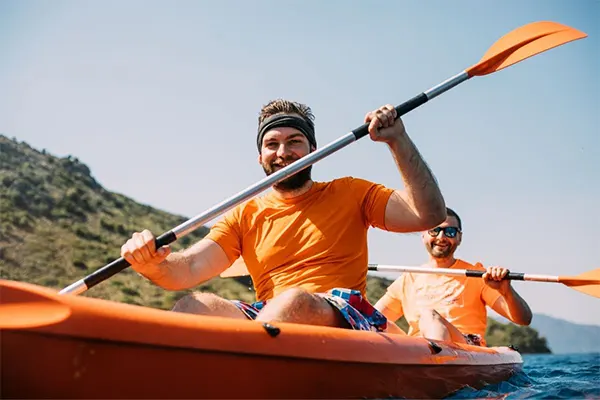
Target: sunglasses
449, 231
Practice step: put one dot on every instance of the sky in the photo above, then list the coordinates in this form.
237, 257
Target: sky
160, 99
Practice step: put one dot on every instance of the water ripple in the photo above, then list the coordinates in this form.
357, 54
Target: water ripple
573, 376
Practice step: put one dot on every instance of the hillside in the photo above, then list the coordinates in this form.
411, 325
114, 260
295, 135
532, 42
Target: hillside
59, 224
524, 338
563, 337
568, 337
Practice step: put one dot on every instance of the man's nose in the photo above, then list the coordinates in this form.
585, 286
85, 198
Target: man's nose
282, 150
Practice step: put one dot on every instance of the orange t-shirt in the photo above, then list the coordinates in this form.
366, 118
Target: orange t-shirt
460, 300
316, 241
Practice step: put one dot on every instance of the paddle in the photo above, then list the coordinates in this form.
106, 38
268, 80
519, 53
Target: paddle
515, 46
588, 282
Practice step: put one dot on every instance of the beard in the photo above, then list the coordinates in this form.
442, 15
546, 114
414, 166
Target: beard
293, 182
441, 252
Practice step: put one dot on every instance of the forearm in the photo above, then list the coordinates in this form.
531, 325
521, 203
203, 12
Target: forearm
389, 307
393, 328
517, 308
190, 267
422, 192
175, 273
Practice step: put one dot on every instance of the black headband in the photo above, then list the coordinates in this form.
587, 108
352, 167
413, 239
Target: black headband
288, 121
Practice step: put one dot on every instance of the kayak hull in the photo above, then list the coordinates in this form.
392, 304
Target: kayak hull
55, 346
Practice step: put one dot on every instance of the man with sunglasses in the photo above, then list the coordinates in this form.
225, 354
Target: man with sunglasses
445, 307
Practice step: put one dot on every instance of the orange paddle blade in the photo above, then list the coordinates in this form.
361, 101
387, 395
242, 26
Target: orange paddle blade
24, 309
588, 282
522, 43
238, 268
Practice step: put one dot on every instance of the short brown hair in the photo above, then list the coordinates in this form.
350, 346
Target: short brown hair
281, 106
451, 213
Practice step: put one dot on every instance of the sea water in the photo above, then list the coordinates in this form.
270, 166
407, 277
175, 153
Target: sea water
547, 376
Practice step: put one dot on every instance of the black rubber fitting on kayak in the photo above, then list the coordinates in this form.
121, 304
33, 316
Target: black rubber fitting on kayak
271, 330
512, 347
435, 348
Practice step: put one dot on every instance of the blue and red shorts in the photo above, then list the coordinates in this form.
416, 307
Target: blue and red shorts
355, 309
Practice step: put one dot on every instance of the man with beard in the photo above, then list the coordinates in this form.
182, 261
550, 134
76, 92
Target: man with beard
452, 308
304, 243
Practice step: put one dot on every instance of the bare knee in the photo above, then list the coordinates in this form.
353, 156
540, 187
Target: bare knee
296, 300
207, 304
299, 306
430, 316
432, 325
196, 302
297, 296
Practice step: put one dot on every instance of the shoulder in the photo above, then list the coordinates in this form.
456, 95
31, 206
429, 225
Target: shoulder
462, 264
476, 284
352, 183
348, 180
244, 209
397, 287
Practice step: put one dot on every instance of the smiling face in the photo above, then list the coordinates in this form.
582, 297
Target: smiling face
281, 147
442, 241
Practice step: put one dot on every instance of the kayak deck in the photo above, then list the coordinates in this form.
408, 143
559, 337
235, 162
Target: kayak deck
79, 347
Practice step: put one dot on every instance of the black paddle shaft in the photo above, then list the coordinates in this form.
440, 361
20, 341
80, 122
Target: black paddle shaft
513, 276
120, 264
402, 109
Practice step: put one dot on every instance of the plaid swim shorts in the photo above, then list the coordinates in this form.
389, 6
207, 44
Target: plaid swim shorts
355, 309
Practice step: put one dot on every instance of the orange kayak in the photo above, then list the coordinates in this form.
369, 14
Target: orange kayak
66, 346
